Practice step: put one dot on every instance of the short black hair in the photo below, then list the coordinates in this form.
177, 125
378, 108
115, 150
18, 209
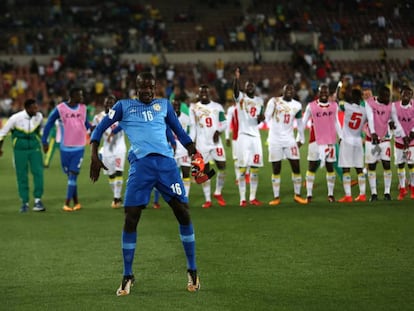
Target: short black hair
29, 102
384, 88
406, 87
323, 85
356, 93
145, 75
74, 90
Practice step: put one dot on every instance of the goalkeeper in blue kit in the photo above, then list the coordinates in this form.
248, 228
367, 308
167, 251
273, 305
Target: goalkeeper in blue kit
152, 164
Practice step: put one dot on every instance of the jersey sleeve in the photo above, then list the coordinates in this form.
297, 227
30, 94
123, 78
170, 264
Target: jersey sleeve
229, 117
222, 122
370, 119
338, 124
307, 115
170, 137
54, 115
270, 107
10, 124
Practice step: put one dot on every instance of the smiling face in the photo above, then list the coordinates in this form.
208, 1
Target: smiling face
204, 94
323, 93
109, 102
406, 95
288, 92
250, 88
145, 88
32, 108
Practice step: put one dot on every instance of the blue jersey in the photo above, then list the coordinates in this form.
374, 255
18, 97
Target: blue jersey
145, 126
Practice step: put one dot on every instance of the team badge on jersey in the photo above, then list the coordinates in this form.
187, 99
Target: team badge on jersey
157, 107
111, 113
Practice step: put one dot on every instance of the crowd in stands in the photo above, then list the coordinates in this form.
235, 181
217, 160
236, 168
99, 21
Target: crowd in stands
93, 27
89, 37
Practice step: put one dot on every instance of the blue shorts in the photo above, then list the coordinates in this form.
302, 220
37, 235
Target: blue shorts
152, 171
71, 160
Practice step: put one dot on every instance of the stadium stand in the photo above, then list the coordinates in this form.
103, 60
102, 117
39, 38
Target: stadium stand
84, 42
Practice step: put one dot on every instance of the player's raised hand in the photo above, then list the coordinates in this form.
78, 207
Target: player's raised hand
237, 73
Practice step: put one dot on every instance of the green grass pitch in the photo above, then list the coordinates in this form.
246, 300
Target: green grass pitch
322, 256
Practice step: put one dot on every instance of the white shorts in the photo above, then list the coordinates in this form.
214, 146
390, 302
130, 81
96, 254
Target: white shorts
384, 152
183, 161
350, 155
217, 153
278, 152
249, 151
114, 163
404, 157
325, 153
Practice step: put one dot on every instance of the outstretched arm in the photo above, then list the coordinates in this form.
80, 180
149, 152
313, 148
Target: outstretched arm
96, 162
54, 115
306, 116
338, 125
300, 129
5, 130
229, 116
236, 84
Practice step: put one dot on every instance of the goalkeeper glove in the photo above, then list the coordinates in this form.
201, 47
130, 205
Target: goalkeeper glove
197, 163
197, 169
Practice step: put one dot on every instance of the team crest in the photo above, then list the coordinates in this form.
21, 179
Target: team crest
111, 113
157, 107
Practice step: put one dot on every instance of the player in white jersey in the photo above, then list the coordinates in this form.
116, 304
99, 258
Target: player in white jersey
113, 152
181, 154
249, 144
233, 128
207, 122
280, 113
351, 151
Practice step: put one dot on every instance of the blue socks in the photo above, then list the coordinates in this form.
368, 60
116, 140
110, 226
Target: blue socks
72, 186
129, 241
188, 239
156, 196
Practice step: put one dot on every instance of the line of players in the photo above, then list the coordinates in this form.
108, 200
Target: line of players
376, 118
